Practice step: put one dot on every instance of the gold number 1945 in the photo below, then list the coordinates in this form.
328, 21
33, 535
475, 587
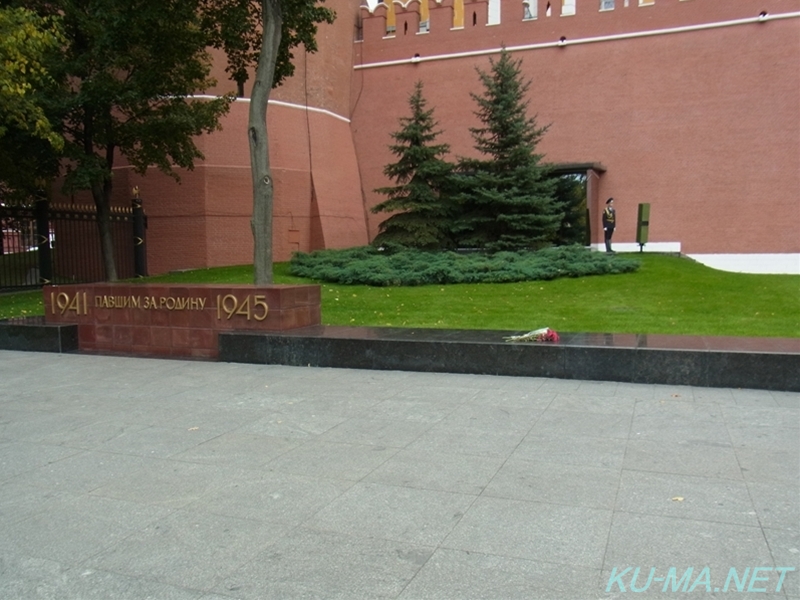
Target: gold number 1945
230, 305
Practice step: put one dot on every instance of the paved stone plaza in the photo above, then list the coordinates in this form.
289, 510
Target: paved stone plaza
127, 478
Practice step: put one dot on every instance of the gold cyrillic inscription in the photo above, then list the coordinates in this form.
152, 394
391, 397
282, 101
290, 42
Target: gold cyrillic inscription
150, 302
117, 302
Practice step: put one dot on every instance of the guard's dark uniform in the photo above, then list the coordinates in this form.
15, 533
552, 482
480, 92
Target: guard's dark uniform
609, 222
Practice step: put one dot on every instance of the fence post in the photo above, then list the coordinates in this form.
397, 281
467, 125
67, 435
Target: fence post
139, 236
41, 211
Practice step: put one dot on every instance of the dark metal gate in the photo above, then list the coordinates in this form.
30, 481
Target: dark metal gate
45, 243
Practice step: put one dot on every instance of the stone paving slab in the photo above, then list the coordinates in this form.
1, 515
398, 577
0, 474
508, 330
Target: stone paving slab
140, 479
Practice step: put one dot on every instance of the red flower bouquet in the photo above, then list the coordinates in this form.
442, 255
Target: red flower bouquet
544, 334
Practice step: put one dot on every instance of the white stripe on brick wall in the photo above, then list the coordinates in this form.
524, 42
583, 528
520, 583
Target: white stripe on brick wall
281, 103
575, 42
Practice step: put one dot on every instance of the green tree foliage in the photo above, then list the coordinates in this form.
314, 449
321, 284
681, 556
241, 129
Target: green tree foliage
29, 143
262, 34
420, 198
26, 42
236, 26
126, 72
28, 164
507, 197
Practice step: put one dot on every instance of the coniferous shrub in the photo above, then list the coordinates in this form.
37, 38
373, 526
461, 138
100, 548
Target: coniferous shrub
419, 199
505, 198
397, 266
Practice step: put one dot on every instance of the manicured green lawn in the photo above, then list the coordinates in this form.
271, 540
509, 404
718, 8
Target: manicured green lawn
21, 304
667, 295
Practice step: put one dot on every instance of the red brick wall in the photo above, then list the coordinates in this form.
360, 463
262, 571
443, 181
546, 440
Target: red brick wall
204, 220
703, 125
318, 200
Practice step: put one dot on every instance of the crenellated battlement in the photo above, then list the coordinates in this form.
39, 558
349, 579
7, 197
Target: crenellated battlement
397, 30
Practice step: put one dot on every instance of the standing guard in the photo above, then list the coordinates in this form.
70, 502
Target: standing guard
609, 222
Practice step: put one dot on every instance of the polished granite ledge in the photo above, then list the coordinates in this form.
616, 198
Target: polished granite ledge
760, 363
33, 334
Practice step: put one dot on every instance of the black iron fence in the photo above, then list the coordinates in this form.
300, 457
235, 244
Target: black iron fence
46, 243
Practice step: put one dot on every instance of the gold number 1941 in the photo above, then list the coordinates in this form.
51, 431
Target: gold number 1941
64, 303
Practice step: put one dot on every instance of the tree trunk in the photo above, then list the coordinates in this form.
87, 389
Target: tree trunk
101, 194
263, 185
102, 200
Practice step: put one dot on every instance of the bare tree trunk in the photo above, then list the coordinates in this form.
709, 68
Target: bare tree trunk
102, 200
263, 185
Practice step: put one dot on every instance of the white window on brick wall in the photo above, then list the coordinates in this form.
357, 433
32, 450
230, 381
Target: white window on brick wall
493, 16
529, 10
606, 4
424, 18
646, 2
567, 7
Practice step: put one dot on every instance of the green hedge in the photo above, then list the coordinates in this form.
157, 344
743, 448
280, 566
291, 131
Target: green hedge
367, 265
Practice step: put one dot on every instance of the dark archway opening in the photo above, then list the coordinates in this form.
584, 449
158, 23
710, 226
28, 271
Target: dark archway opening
576, 194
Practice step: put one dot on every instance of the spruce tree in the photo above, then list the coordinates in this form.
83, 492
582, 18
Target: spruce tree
506, 198
420, 198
